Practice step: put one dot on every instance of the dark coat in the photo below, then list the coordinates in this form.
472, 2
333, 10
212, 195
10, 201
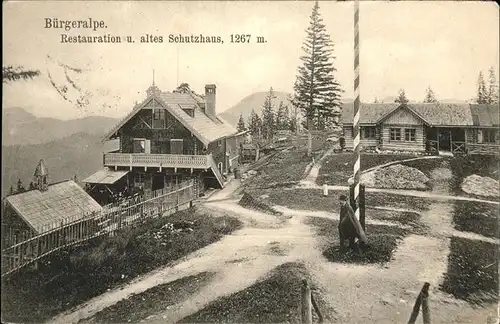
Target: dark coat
345, 225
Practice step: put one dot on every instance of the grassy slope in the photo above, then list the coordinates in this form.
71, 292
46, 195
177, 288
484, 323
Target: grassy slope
152, 301
476, 217
282, 168
274, 299
383, 240
472, 271
87, 272
337, 169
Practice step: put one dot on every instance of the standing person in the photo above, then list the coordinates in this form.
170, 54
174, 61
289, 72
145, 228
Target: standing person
349, 226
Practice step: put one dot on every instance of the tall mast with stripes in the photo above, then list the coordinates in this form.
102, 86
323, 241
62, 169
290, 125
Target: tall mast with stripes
357, 105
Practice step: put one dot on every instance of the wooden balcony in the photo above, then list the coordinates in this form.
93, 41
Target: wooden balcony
156, 160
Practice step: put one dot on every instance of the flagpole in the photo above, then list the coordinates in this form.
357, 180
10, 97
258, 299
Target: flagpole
357, 105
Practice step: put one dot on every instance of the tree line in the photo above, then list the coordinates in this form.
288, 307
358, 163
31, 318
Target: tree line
485, 94
272, 118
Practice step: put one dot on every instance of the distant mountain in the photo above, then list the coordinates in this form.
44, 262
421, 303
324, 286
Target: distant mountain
20, 127
79, 154
253, 101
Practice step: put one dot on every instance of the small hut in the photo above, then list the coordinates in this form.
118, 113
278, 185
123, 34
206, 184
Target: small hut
249, 152
43, 207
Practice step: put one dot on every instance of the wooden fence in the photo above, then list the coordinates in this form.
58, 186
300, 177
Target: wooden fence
111, 219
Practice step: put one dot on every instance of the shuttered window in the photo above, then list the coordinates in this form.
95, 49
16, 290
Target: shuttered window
176, 146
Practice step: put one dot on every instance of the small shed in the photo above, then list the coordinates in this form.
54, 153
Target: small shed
249, 152
44, 207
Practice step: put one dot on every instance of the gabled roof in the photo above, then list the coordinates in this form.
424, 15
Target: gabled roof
44, 210
406, 107
204, 128
433, 114
442, 114
369, 113
485, 115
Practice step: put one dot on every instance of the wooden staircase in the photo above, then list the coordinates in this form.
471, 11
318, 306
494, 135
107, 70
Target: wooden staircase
215, 170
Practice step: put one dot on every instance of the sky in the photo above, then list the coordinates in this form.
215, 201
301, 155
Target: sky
410, 45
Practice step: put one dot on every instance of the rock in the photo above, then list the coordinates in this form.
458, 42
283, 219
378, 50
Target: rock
480, 186
401, 177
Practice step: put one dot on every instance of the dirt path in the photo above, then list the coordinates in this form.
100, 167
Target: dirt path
386, 293
403, 192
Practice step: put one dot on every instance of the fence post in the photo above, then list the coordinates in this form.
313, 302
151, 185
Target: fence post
425, 304
418, 302
306, 307
362, 206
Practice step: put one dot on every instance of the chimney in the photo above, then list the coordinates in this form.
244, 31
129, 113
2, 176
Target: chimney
210, 101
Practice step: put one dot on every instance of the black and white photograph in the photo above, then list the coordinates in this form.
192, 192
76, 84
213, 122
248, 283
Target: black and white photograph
250, 162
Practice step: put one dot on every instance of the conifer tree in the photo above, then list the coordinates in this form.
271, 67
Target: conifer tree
241, 124
429, 96
254, 123
283, 117
287, 121
11, 191
317, 93
402, 99
482, 94
492, 87
268, 115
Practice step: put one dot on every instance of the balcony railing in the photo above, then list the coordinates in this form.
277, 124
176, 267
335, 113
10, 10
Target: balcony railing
156, 160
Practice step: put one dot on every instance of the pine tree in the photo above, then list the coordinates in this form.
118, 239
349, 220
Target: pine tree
31, 186
492, 87
12, 191
254, 123
287, 121
402, 99
268, 115
75, 178
482, 95
429, 96
283, 117
20, 186
241, 124
317, 93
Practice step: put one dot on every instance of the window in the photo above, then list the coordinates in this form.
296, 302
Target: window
139, 179
139, 146
368, 133
159, 118
395, 134
489, 135
410, 134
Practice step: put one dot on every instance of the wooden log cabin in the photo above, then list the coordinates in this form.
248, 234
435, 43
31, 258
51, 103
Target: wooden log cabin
168, 138
44, 208
432, 128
